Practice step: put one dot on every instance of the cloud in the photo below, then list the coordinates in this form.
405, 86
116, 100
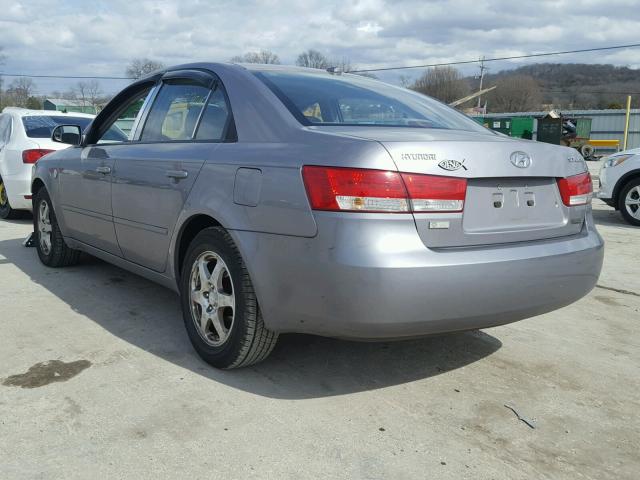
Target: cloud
100, 37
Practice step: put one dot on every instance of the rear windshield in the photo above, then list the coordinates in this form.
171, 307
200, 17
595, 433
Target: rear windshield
319, 99
41, 126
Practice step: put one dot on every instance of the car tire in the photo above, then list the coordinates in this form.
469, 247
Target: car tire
629, 202
586, 151
219, 306
50, 244
6, 212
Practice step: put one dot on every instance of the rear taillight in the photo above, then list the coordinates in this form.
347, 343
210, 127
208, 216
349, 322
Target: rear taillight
365, 190
431, 193
355, 189
576, 190
33, 155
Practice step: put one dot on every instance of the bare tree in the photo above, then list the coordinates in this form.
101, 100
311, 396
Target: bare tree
88, 92
20, 90
312, 59
94, 92
80, 93
139, 67
444, 83
263, 56
70, 94
515, 93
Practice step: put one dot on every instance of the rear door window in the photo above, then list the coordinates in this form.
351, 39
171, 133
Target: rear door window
215, 119
175, 112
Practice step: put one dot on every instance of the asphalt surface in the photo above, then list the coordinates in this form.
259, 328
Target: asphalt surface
98, 380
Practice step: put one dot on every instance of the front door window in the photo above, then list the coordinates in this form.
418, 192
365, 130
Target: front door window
121, 128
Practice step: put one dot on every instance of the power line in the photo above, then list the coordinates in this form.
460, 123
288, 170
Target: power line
406, 67
514, 57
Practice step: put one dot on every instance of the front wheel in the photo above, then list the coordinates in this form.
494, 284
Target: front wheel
50, 244
219, 306
629, 202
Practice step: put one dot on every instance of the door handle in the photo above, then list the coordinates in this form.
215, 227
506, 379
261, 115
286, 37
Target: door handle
104, 170
177, 174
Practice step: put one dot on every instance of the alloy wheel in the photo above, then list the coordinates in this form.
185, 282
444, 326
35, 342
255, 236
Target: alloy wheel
4, 200
212, 298
632, 202
44, 227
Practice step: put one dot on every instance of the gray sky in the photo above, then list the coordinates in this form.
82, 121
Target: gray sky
79, 37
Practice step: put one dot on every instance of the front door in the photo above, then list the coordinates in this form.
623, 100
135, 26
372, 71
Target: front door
85, 198
85, 180
153, 177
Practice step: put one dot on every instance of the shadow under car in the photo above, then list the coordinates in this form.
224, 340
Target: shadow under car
302, 366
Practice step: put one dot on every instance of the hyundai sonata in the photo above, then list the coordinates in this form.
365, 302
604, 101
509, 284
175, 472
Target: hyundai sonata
279, 199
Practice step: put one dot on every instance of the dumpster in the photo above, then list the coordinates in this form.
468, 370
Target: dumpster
550, 130
502, 125
522, 127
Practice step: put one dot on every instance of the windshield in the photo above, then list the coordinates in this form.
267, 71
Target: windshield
41, 126
317, 99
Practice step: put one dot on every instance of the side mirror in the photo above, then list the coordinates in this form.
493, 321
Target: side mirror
69, 134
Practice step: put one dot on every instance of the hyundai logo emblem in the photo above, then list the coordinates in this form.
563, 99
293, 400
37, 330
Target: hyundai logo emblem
520, 159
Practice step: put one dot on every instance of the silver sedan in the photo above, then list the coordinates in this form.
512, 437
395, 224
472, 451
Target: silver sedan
280, 199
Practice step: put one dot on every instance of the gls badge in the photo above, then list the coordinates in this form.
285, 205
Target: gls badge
451, 165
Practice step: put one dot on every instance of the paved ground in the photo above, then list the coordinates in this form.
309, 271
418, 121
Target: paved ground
124, 396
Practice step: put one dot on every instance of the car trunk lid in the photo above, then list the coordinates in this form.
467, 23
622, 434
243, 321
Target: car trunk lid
512, 191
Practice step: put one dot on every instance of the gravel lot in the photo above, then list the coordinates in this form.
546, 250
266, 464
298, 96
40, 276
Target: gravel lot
123, 394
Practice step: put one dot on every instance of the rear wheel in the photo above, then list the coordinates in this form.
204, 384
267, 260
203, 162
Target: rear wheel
629, 202
219, 306
6, 211
52, 249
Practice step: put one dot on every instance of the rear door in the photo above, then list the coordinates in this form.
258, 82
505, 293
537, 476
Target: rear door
153, 177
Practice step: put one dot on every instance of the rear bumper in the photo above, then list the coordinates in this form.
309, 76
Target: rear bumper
370, 279
18, 186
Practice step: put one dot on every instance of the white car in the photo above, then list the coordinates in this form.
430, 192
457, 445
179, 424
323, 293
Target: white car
25, 136
620, 184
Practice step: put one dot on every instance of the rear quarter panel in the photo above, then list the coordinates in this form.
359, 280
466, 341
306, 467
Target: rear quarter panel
281, 205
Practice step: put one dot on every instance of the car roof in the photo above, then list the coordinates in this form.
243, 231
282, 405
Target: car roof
252, 67
261, 67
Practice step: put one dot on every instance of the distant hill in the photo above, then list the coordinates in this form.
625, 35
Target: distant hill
577, 85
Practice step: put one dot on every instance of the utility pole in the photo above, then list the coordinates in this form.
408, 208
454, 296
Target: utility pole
482, 69
626, 123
